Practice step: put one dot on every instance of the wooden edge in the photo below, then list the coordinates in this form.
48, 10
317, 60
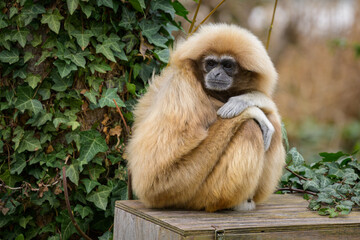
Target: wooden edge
119, 204
290, 228
186, 233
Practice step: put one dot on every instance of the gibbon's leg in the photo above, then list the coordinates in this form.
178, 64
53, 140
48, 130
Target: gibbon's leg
235, 177
179, 182
274, 162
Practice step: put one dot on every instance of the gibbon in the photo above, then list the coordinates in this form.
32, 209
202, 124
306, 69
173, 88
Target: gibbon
207, 134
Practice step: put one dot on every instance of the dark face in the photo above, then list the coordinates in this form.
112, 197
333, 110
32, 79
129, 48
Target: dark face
219, 72
222, 77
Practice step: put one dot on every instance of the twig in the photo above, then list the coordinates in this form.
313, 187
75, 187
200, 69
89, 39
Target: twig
27, 184
209, 15
130, 193
194, 18
122, 117
271, 26
69, 207
296, 190
299, 176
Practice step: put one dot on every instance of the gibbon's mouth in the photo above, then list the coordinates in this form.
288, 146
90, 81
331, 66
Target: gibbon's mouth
215, 84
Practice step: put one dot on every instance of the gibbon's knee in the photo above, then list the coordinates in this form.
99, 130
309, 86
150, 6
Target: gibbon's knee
235, 177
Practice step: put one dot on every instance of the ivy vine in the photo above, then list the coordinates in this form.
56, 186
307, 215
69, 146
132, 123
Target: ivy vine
62, 65
332, 184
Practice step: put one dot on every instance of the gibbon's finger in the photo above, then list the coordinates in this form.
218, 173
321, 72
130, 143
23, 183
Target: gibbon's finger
267, 128
234, 107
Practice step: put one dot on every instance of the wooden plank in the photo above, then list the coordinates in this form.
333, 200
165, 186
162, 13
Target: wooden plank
281, 214
129, 226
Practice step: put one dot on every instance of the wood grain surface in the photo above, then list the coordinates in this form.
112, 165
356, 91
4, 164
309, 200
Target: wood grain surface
281, 217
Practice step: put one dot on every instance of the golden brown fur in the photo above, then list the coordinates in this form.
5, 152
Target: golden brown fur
182, 154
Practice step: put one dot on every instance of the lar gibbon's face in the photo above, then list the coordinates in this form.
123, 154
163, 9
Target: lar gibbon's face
223, 77
219, 72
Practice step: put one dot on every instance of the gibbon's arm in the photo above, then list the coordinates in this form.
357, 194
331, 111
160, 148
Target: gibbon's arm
236, 105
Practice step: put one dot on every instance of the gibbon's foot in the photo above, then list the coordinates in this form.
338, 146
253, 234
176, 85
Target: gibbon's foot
247, 205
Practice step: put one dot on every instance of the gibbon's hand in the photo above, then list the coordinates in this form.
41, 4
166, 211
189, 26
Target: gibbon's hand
236, 105
266, 127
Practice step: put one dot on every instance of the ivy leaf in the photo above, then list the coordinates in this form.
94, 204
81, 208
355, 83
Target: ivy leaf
131, 87
297, 158
139, 5
331, 157
72, 5
149, 28
60, 84
30, 11
78, 59
19, 134
23, 221
180, 10
20, 36
53, 20
334, 170
312, 185
73, 174
63, 68
128, 19
163, 55
45, 54
28, 56
108, 96
83, 211
82, 38
100, 197
40, 119
25, 100
109, 44
106, 3
95, 172
29, 143
163, 5
18, 165
91, 95
146, 70
89, 184
10, 57
106, 51
13, 11
87, 9
67, 227
33, 80
91, 144
131, 40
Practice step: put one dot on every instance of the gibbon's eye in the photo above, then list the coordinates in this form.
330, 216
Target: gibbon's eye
211, 63
227, 64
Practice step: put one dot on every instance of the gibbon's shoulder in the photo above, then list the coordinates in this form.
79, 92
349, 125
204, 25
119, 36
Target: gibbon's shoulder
228, 39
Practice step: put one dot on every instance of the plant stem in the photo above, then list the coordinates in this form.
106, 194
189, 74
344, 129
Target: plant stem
69, 207
209, 15
194, 18
299, 176
296, 190
271, 26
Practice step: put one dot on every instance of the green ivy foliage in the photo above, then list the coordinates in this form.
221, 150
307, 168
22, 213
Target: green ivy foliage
62, 65
332, 184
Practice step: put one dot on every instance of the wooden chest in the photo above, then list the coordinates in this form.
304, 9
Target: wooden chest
281, 217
